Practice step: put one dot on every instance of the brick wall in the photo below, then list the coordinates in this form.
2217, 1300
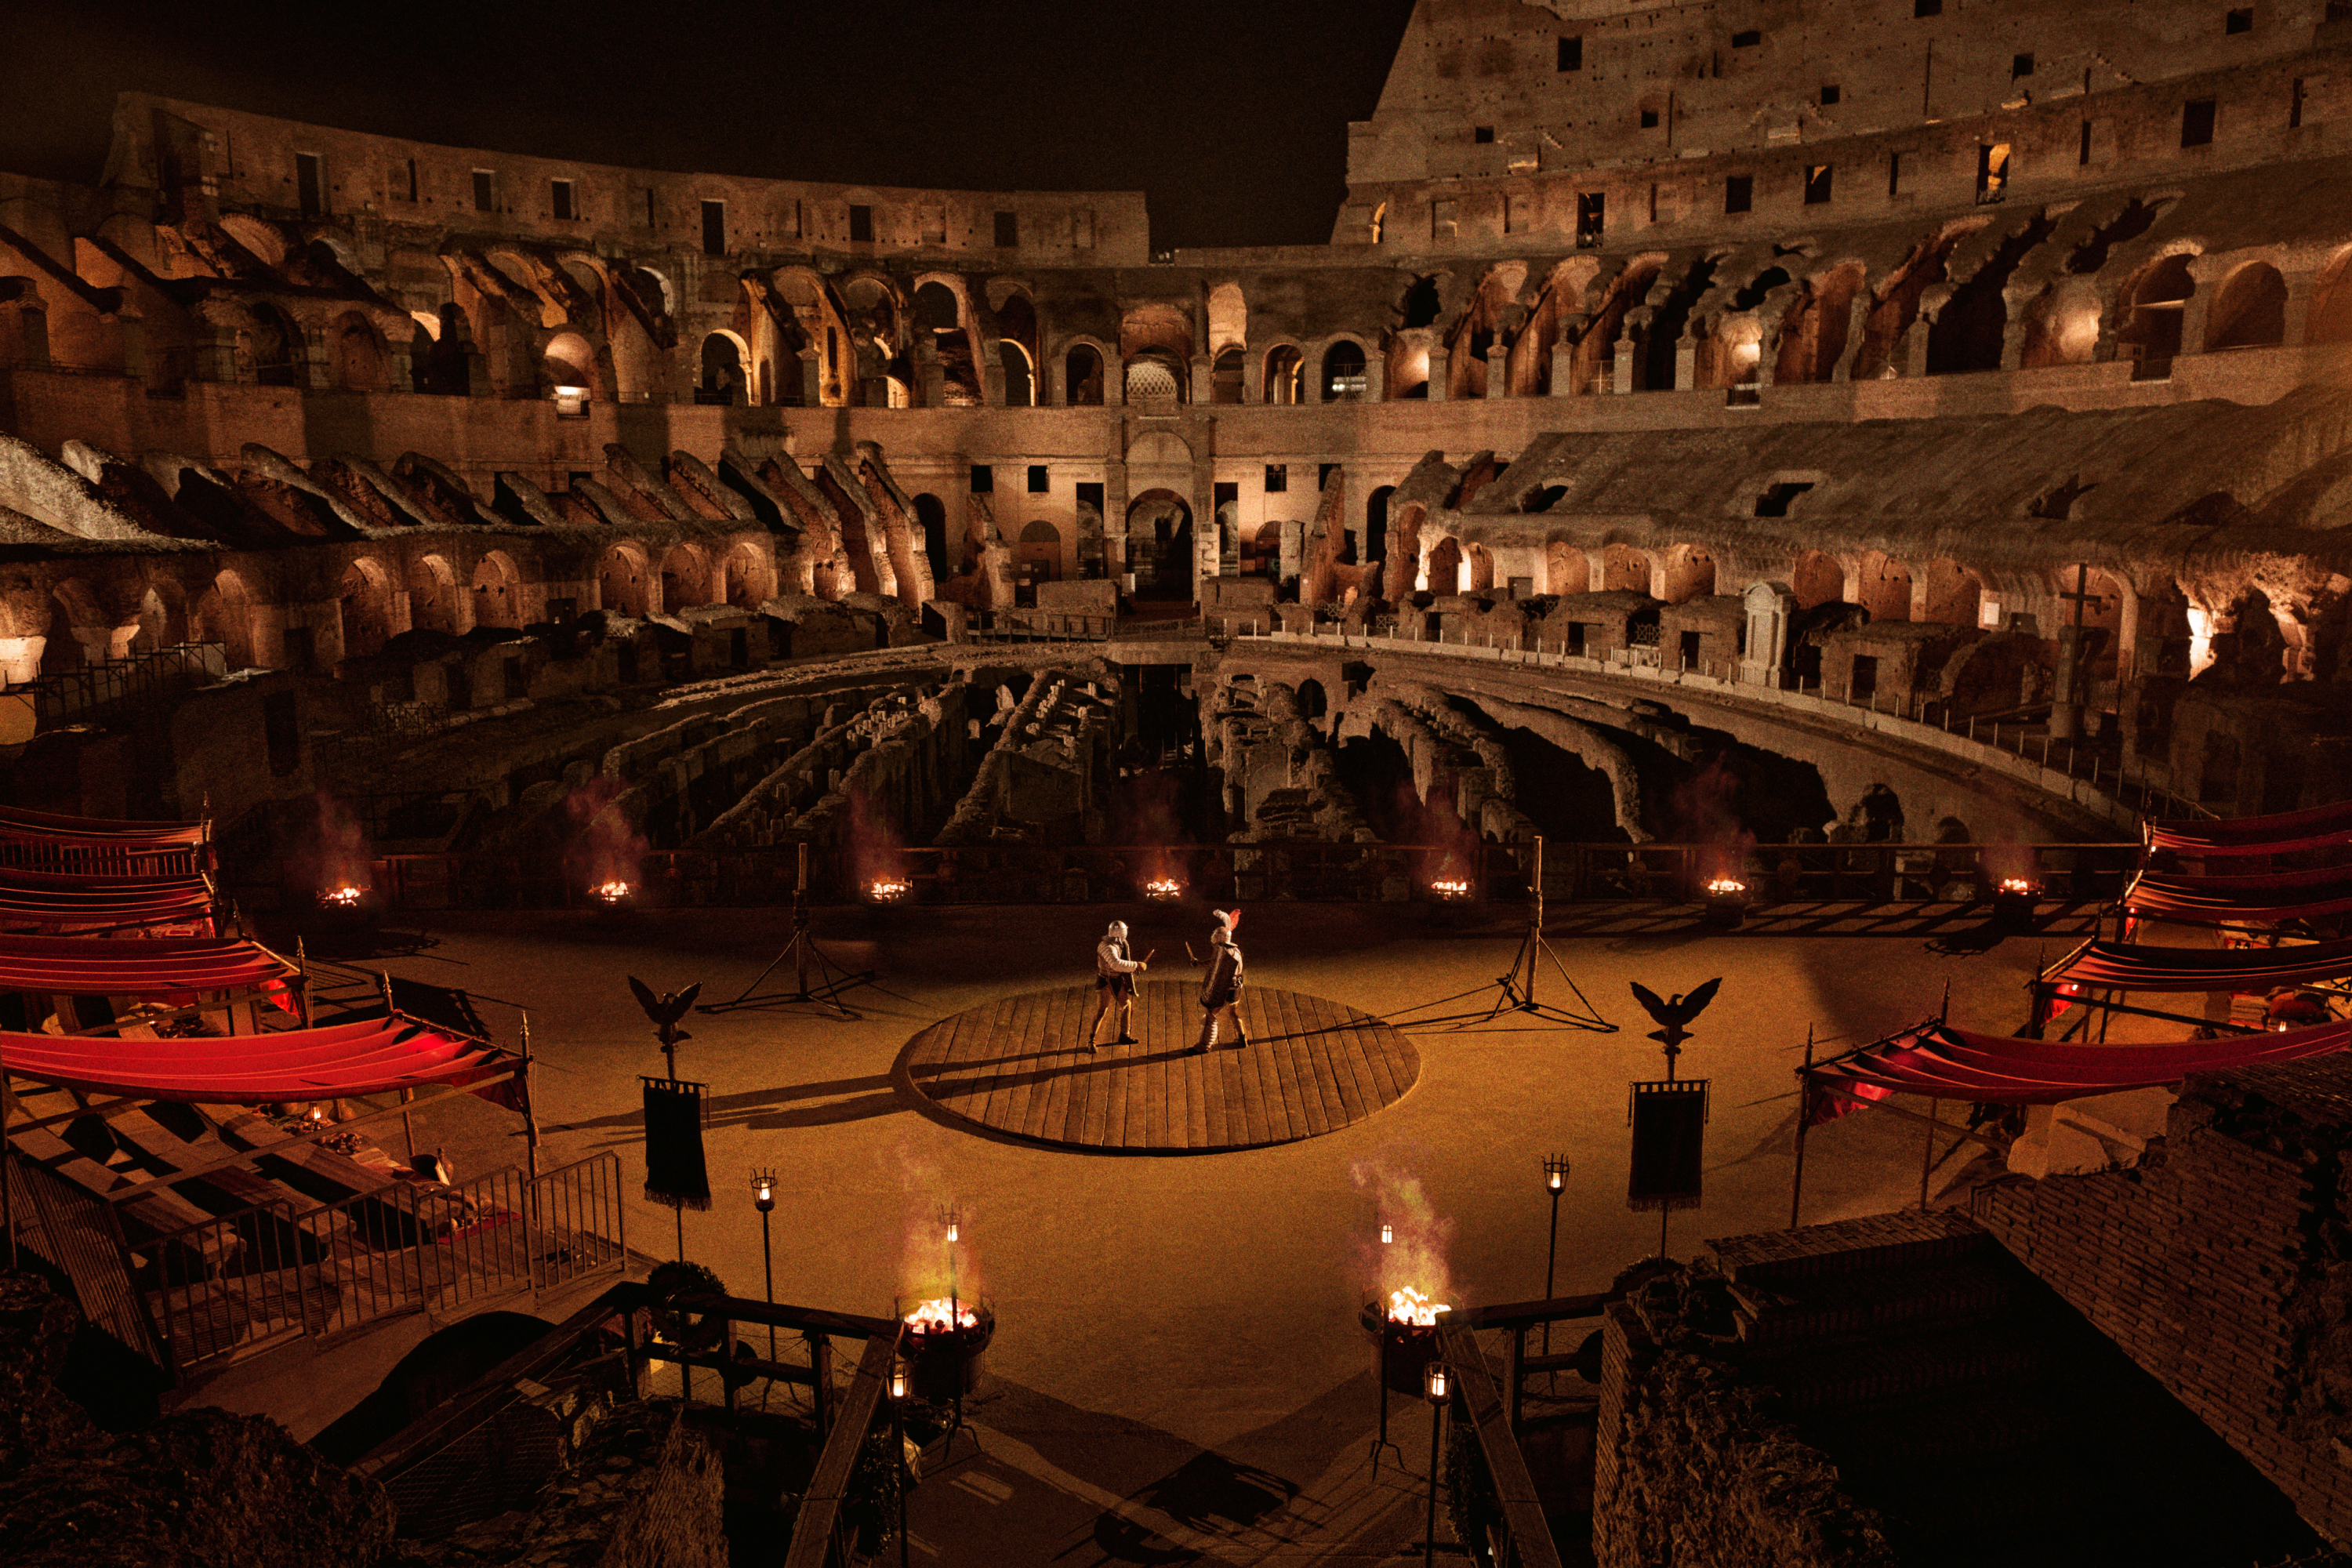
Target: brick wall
2221, 1267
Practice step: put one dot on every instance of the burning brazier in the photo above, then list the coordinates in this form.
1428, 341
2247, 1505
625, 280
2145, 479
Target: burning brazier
1404, 1337
2013, 902
944, 1342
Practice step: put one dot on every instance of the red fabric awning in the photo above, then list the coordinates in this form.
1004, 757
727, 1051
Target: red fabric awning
76, 845
2310, 829
35, 901
2275, 896
130, 966
371, 1057
2118, 967
16, 823
1938, 1060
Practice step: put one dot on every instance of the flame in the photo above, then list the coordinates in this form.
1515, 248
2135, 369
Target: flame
343, 897
1414, 1309
940, 1315
889, 890
1163, 888
2019, 885
1449, 888
612, 892
1726, 887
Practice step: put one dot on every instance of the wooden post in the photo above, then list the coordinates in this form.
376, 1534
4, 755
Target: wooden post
800, 921
1804, 1115
1519, 1373
726, 1354
529, 1103
7, 1166
407, 1129
1928, 1149
302, 962
821, 1391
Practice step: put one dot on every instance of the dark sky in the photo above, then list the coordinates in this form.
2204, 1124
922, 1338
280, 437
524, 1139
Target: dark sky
1230, 114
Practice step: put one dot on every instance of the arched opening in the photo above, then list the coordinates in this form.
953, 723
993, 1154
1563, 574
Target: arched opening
496, 591
268, 348
684, 584
1082, 372
1286, 375
1443, 572
1154, 376
224, 615
1344, 374
2330, 321
936, 309
1260, 554
1813, 334
2250, 309
1016, 329
2158, 301
1037, 558
1567, 569
364, 605
1690, 574
1225, 376
1160, 544
1816, 579
1954, 597
939, 320
931, 517
1313, 703
357, 362
63, 653
1160, 335
1228, 318
722, 381
1884, 587
1376, 524
1624, 569
1020, 385
432, 596
1482, 568
162, 618
621, 587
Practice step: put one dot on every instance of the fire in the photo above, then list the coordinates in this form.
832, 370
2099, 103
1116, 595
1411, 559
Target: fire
1163, 888
612, 892
941, 1314
342, 897
889, 890
2018, 885
1413, 1308
1449, 888
1726, 887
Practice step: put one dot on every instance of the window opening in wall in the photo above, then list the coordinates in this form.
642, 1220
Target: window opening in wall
1482, 133
1774, 501
983, 480
2293, 108
1748, 39
1649, 120
2020, 66
309, 188
1830, 94
1041, 479
2197, 122
559, 198
1225, 492
1572, 54
1738, 192
2238, 19
2083, 154
1895, 174
714, 228
1346, 373
1323, 472
1008, 231
412, 179
1992, 171
484, 193
1926, 8
1817, 184
861, 224
1278, 478
1591, 217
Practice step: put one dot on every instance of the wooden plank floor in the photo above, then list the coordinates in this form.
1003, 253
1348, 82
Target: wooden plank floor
1019, 1064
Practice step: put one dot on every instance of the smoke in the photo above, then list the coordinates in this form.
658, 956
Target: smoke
930, 1266
606, 845
341, 856
1703, 809
873, 841
1420, 1237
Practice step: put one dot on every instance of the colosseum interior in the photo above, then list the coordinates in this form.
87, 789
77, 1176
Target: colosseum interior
1810, 492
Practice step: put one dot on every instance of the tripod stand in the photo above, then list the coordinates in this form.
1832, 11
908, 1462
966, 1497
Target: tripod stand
1515, 992
831, 978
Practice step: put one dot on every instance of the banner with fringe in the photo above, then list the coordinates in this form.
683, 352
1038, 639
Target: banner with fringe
675, 1172
1669, 1145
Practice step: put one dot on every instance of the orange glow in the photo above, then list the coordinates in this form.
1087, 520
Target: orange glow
1414, 1309
940, 1315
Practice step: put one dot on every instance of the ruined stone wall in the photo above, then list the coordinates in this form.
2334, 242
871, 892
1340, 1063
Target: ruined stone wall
2222, 1265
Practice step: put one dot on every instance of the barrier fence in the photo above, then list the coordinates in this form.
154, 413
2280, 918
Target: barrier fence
239, 1282
1302, 871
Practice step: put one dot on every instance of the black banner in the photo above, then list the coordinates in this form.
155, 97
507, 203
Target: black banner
1669, 1145
675, 1172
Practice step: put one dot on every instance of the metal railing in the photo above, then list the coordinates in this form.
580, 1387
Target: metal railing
96, 691
233, 1285
1037, 625
1306, 871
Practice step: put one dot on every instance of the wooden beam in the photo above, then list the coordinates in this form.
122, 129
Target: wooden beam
1478, 1401
820, 1513
1512, 1314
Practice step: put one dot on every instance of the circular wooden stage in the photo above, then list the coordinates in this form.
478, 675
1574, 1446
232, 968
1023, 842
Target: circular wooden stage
1019, 1065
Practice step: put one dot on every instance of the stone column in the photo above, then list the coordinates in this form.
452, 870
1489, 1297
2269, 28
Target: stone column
1499, 370
1252, 375
1441, 359
314, 359
1563, 370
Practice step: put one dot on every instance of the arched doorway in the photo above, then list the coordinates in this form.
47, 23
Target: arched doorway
1818, 579
495, 595
269, 348
1225, 376
433, 595
1376, 524
1344, 375
1690, 574
364, 606
1444, 574
1286, 375
621, 587
359, 361
684, 584
722, 380
1082, 372
1567, 569
1160, 545
224, 615
2250, 309
1036, 559
2160, 300
931, 517
1260, 551
1884, 589
1624, 569
570, 361
1019, 383
747, 577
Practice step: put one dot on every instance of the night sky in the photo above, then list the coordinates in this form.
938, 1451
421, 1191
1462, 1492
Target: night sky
1230, 114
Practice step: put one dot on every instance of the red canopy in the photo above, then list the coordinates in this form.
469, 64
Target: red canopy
130, 966
2276, 896
2310, 829
167, 906
366, 1058
1938, 1060
2123, 968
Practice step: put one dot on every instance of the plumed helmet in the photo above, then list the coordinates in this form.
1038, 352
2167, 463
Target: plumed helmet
1224, 930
